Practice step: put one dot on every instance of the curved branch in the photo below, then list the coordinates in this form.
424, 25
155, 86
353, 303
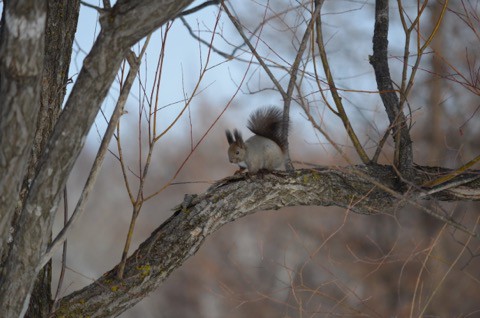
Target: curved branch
180, 237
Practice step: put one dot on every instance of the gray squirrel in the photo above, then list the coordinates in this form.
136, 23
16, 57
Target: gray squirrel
263, 151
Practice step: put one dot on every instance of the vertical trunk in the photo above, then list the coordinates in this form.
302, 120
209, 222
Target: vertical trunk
62, 21
403, 158
41, 299
21, 63
62, 18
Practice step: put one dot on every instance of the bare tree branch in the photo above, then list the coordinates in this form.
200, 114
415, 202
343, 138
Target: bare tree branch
260, 60
293, 81
197, 217
333, 90
286, 95
403, 157
134, 63
199, 7
122, 26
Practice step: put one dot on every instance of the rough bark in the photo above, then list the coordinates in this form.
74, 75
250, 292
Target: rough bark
122, 26
197, 217
41, 299
62, 21
21, 65
62, 18
403, 159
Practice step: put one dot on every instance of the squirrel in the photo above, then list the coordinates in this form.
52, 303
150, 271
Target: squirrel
263, 151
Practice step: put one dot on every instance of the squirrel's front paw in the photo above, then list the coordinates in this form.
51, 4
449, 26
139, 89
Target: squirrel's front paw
239, 171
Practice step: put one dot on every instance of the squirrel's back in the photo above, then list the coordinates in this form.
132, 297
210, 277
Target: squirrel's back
268, 122
263, 153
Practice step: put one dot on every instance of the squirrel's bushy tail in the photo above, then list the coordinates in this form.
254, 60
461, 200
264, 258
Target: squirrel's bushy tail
268, 122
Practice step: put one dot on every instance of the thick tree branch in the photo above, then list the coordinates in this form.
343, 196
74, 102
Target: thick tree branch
62, 18
197, 217
22, 41
403, 157
122, 26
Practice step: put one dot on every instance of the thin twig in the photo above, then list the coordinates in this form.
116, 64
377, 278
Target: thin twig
434, 292
315, 125
197, 8
286, 96
137, 202
199, 39
424, 266
448, 185
170, 182
333, 90
452, 174
141, 198
292, 82
407, 86
91, 6
381, 143
316, 76
64, 254
62, 236
404, 197
239, 28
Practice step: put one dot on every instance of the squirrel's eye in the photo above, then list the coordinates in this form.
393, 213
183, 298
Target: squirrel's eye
237, 152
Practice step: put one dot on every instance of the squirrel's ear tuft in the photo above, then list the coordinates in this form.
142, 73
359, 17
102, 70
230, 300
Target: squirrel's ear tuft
238, 137
229, 137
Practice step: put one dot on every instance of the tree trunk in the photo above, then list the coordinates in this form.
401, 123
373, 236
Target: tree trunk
62, 18
22, 51
21, 64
